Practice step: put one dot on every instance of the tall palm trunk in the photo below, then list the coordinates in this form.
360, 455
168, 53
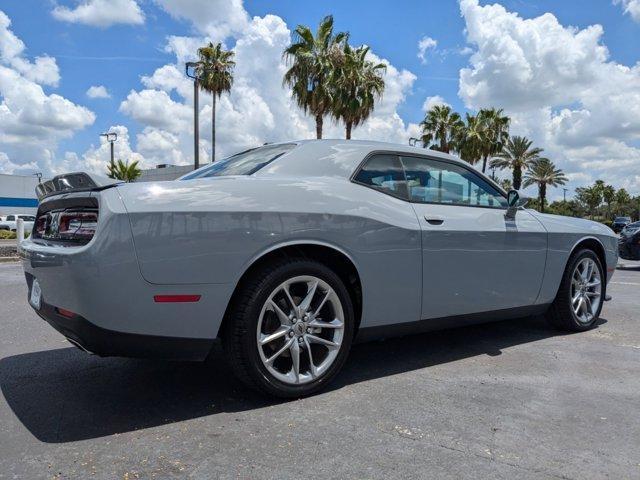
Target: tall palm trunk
213, 129
348, 127
543, 194
517, 177
319, 122
484, 163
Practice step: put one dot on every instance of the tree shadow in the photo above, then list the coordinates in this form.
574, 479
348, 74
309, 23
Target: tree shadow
64, 395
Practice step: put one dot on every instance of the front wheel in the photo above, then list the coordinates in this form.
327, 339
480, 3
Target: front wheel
578, 303
290, 328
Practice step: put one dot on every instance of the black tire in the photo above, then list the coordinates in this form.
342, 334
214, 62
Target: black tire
560, 313
239, 335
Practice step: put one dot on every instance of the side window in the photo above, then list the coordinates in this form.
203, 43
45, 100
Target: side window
384, 172
11, 218
433, 181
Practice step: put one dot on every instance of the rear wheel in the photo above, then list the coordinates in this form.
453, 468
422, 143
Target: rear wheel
578, 303
289, 328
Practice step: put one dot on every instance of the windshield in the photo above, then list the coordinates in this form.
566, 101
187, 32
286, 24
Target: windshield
622, 219
243, 163
633, 225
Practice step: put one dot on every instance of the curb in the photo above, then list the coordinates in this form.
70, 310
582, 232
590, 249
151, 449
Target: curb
9, 259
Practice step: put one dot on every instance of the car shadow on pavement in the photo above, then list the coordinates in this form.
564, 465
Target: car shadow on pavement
65, 395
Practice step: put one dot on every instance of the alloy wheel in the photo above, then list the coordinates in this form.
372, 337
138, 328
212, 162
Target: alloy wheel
586, 290
300, 330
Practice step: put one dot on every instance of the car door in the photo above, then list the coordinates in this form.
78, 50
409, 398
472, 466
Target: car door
474, 258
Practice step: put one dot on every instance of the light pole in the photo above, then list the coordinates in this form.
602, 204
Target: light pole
111, 138
190, 69
564, 194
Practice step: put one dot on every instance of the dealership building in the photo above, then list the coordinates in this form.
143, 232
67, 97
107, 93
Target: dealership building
17, 194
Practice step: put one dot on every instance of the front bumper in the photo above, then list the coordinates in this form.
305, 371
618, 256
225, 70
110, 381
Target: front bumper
627, 250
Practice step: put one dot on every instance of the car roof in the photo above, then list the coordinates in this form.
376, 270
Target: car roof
336, 157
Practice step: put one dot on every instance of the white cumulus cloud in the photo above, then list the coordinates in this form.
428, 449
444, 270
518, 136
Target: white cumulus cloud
32, 121
559, 86
630, 7
101, 13
257, 110
43, 70
217, 19
98, 91
424, 45
431, 102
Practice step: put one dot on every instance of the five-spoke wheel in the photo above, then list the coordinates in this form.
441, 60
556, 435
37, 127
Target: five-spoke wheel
586, 289
300, 329
290, 328
579, 299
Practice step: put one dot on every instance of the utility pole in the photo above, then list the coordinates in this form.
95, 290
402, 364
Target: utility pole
192, 72
111, 138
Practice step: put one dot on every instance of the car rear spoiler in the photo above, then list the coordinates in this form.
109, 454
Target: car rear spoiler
74, 182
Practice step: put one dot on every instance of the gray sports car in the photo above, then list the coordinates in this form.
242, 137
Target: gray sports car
288, 252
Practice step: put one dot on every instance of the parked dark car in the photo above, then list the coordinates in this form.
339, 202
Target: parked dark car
629, 242
619, 223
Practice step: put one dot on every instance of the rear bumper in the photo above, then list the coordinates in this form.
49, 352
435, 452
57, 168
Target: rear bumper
109, 343
115, 309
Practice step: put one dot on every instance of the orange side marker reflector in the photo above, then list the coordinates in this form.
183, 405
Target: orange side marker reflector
175, 298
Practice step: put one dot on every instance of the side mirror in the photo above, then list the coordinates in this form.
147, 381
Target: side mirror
514, 201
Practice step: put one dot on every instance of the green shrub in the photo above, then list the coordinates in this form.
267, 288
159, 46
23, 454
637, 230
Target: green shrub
7, 235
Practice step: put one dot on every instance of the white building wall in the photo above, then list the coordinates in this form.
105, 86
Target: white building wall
17, 194
170, 172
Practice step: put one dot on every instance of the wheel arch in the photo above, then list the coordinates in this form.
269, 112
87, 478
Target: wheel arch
333, 257
591, 243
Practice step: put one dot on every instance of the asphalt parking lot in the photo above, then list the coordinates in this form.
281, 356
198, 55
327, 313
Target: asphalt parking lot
506, 400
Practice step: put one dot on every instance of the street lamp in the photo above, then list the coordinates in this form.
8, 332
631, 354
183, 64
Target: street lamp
190, 69
564, 194
413, 141
111, 138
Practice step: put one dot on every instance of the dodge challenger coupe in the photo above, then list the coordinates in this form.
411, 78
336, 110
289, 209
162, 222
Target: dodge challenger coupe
289, 252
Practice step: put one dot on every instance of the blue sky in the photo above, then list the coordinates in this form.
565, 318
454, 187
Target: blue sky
118, 55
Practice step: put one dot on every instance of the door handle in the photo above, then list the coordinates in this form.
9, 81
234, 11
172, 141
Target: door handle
434, 221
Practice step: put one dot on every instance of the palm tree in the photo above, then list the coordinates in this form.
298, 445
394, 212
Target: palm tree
215, 74
543, 172
496, 133
471, 138
120, 170
506, 184
313, 60
358, 82
591, 197
517, 155
441, 125
608, 195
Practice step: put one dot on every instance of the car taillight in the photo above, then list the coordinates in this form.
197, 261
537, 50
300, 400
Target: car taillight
41, 225
67, 226
78, 226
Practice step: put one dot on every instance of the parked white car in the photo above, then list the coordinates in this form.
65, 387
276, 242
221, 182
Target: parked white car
9, 222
